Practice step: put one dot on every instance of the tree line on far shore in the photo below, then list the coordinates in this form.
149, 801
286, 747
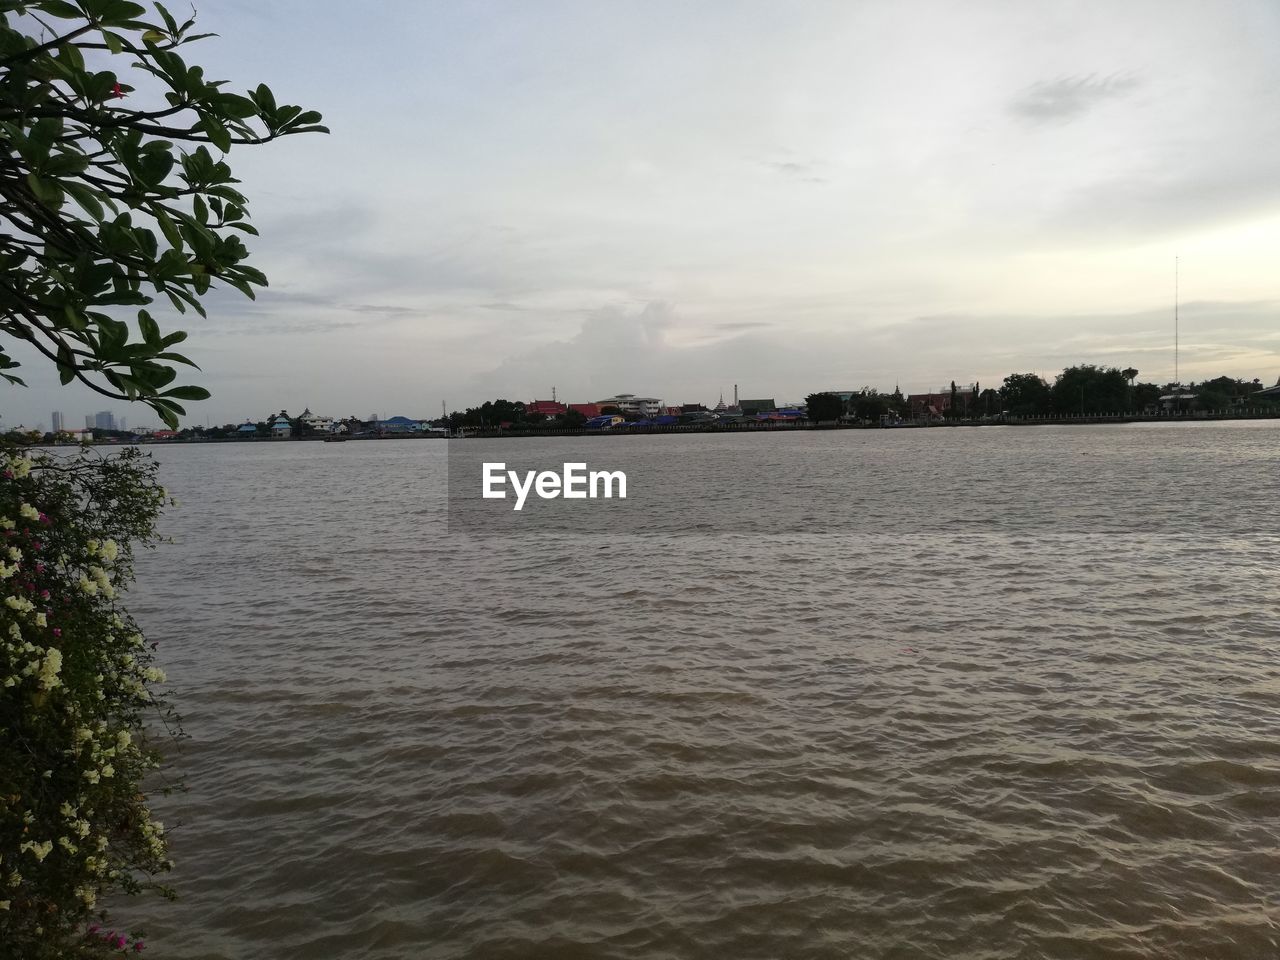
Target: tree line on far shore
1081, 390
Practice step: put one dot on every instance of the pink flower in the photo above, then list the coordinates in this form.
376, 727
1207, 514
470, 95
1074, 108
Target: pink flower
137, 947
118, 941
57, 632
44, 594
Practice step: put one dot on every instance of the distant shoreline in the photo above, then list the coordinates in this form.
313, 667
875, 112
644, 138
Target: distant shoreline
762, 427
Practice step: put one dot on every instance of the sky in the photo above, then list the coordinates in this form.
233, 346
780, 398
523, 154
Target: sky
668, 199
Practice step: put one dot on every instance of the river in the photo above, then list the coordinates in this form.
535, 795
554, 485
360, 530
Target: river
956, 693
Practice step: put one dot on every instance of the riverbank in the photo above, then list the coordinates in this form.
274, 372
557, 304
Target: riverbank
764, 426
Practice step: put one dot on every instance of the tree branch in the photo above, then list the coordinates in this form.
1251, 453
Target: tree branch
48, 45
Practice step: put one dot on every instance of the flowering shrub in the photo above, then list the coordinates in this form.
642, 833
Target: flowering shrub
76, 685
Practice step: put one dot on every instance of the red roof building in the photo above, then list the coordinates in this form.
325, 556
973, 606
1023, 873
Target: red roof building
588, 410
544, 408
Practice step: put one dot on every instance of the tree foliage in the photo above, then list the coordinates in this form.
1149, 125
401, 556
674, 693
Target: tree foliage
823, 407
114, 191
491, 414
1025, 395
1088, 390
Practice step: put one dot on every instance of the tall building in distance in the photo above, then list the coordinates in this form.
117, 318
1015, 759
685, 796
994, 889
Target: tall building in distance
121, 425
104, 420
57, 421
88, 421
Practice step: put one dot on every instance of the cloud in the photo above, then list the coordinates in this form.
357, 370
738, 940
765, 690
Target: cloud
1069, 98
794, 170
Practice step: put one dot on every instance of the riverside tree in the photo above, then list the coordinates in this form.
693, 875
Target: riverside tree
823, 407
114, 193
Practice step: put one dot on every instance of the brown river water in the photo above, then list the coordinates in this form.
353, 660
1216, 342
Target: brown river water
953, 693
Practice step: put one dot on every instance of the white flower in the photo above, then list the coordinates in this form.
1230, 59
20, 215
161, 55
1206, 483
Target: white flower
50, 668
154, 675
110, 550
38, 850
28, 511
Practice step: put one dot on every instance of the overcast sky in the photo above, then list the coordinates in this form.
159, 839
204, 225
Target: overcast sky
668, 198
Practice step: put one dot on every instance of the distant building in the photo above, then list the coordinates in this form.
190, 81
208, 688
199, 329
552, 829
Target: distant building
400, 425
315, 422
1179, 400
544, 408
629, 403
57, 421
122, 424
280, 425
247, 429
588, 410
925, 406
750, 408
104, 420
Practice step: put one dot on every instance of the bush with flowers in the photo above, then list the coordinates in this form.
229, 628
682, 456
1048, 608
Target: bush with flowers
80, 715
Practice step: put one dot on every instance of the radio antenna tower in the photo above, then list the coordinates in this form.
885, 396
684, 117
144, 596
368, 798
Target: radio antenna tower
1176, 379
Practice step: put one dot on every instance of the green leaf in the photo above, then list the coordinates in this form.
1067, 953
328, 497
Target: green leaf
170, 24
71, 57
66, 365
167, 227
150, 329
239, 107
61, 10
216, 132
168, 416
187, 393
87, 199
264, 98
45, 131
64, 164
37, 187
